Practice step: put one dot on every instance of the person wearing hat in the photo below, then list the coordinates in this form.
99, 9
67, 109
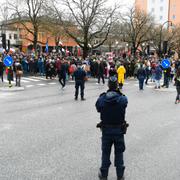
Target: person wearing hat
112, 108
80, 77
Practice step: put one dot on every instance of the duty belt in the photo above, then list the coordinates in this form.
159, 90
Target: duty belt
112, 126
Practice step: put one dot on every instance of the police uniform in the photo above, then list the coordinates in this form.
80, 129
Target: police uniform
79, 75
112, 106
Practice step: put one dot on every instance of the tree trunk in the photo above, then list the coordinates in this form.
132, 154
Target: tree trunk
57, 43
85, 52
35, 40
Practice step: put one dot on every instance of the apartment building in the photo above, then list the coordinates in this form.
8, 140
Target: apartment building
161, 10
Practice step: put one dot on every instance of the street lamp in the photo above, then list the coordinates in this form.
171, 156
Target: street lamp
160, 39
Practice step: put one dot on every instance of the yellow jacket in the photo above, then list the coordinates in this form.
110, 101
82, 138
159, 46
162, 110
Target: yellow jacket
121, 71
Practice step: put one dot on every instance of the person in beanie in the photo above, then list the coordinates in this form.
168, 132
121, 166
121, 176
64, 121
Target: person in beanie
112, 108
80, 76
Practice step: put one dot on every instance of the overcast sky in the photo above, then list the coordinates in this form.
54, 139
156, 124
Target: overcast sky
126, 4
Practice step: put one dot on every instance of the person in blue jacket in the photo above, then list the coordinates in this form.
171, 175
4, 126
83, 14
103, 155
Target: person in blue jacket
141, 75
80, 77
112, 108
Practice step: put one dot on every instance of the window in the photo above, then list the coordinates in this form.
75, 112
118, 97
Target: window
161, 8
10, 37
160, 17
173, 17
15, 36
173, 7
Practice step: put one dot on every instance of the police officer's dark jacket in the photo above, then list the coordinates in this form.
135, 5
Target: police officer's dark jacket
112, 107
79, 74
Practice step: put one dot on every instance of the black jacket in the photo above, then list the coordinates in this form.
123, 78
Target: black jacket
79, 74
112, 107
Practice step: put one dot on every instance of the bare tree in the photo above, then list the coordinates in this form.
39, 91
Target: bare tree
29, 14
135, 29
159, 36
85, 21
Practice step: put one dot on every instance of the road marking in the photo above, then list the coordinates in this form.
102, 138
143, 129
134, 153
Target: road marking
28, 86
30, 79
52, 83
24, 81
6, 81
41, 84
5, 127
39, 78
166, 89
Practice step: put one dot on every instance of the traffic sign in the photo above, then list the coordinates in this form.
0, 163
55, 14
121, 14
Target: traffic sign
8, 61
165, 63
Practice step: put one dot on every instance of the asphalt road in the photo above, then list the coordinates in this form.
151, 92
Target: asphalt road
46, 135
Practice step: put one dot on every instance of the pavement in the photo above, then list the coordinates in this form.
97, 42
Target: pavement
46, 135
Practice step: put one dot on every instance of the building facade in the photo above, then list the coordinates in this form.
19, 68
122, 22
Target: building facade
20, 38
161, 10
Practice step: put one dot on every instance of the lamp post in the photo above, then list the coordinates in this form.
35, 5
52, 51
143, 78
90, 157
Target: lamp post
160, 38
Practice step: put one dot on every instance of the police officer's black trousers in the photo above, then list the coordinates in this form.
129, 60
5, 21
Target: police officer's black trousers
108, 139
79, 83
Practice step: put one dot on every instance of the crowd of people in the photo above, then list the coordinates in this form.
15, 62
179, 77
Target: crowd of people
52, 65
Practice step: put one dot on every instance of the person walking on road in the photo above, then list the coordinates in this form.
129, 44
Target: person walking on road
80, 76
121, 71
112, 107
177, 83
10, 78
101, 72
157, 76
18, 72
62, 74
141, 75
167, 76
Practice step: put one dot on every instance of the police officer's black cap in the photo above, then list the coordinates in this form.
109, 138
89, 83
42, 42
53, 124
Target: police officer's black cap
112, 83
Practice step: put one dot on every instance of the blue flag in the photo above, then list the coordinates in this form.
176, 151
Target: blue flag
47, 47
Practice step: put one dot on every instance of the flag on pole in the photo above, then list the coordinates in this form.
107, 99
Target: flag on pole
47, 47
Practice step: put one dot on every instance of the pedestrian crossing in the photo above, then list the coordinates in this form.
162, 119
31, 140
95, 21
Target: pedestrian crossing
36, 81
151, 85
31, 81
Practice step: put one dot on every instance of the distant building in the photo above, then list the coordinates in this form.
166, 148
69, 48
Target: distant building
161, 10
19, 37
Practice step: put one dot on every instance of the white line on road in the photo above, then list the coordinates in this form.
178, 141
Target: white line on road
52, 83
4, 127
24, 81
41, 84
39, 78
28, 86
30, 79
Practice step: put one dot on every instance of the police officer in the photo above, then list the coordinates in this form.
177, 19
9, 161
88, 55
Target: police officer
112, 107
80, 76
